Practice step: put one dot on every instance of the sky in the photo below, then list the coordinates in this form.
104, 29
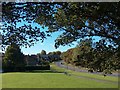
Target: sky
47, 45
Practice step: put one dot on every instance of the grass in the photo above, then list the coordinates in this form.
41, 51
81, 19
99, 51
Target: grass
53, 78
90, 75
101, 77
0, 81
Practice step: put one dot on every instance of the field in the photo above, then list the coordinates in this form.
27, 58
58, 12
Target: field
57, 79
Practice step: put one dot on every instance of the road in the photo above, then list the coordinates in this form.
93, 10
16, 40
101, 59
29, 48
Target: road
70, 67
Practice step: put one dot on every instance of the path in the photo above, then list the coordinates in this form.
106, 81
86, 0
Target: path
70, 67
58, 63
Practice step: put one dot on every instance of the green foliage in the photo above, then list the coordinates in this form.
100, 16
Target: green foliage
101, 58
83, 53
76, 20
43, 52
105, 58
80, 20
55, 53
54, 56
13, 57
67, 56
58, 52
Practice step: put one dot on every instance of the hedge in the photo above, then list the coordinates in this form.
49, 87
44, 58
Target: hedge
26, 68
43, 67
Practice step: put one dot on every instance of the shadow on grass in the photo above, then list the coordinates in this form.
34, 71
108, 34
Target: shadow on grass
37, 71
43, 71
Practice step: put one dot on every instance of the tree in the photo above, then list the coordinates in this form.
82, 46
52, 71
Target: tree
43, 52
76, 20
101, 57
14, 13
58, 52
80, 20
105, 58
67, 56
50, 53
83, 53
13, 57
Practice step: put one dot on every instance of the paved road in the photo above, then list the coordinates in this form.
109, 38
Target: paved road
61, 64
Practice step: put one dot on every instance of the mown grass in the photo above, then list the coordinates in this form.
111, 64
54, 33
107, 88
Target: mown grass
101, 77
55, 78
0, 81
90, 75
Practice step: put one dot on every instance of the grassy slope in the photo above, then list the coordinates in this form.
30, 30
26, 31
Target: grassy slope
50, 80
96, 76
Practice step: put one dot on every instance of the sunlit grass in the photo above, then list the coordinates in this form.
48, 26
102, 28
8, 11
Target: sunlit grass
54, 78
50, 80
91, 75
0, 81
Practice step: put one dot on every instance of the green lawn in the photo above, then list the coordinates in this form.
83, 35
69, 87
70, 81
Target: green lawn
90, 75
0, 81
48, 79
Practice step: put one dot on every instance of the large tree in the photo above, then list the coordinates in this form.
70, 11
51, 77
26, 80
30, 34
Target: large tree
76, 20
13, 57
79, 20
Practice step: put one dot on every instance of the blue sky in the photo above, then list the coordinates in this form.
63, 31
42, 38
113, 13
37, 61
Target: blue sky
47, 45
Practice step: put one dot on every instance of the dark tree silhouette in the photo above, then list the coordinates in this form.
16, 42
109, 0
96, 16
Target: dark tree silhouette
13, 57
76, 20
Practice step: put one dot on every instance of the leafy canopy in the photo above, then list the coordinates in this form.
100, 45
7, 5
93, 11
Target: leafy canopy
75, 20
